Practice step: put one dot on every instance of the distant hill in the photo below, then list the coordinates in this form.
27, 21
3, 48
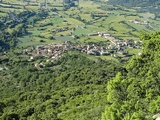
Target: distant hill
135, 3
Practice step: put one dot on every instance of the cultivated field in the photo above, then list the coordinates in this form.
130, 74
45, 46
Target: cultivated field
60, 23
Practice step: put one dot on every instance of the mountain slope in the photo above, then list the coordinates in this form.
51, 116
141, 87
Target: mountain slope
68, 89
137, 95
135, 3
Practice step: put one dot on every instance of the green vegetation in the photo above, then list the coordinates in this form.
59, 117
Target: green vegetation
58, 21
150, 5
80, 68
135, 94
81, 31
70, 88
74, 87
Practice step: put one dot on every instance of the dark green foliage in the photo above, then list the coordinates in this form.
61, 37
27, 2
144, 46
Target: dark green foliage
13, 26
136, 96
11, 116
72, 87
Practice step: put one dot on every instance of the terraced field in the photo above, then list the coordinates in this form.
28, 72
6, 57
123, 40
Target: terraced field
88, 17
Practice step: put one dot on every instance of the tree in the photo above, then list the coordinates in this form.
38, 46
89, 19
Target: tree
116, 90
137, 96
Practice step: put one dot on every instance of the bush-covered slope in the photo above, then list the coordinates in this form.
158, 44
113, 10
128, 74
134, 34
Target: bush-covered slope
137, 95
71, 88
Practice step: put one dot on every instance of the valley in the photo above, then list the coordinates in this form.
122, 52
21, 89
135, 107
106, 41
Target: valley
79, 60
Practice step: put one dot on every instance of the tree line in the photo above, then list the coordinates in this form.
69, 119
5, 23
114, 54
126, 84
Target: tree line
135, 95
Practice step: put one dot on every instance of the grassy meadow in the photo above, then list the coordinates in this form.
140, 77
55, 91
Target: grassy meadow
88, 17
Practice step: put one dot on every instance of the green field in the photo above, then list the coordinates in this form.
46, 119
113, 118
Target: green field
26, 41
83, 20
81, 31
34, 41
134, 51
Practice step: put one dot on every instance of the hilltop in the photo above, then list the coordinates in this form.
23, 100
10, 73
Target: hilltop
135, 3
147, 5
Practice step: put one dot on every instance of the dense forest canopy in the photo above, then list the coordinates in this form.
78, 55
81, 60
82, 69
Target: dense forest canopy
136, 96
68, 89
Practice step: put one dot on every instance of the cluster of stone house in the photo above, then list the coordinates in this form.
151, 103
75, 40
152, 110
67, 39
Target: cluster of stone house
54, 51
91, 49
119, 45
123, 43
139, 22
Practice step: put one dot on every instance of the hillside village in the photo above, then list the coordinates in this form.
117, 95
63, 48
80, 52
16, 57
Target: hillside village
54, 51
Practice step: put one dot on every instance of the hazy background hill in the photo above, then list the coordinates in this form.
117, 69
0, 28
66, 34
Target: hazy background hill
135, 3
140, 5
